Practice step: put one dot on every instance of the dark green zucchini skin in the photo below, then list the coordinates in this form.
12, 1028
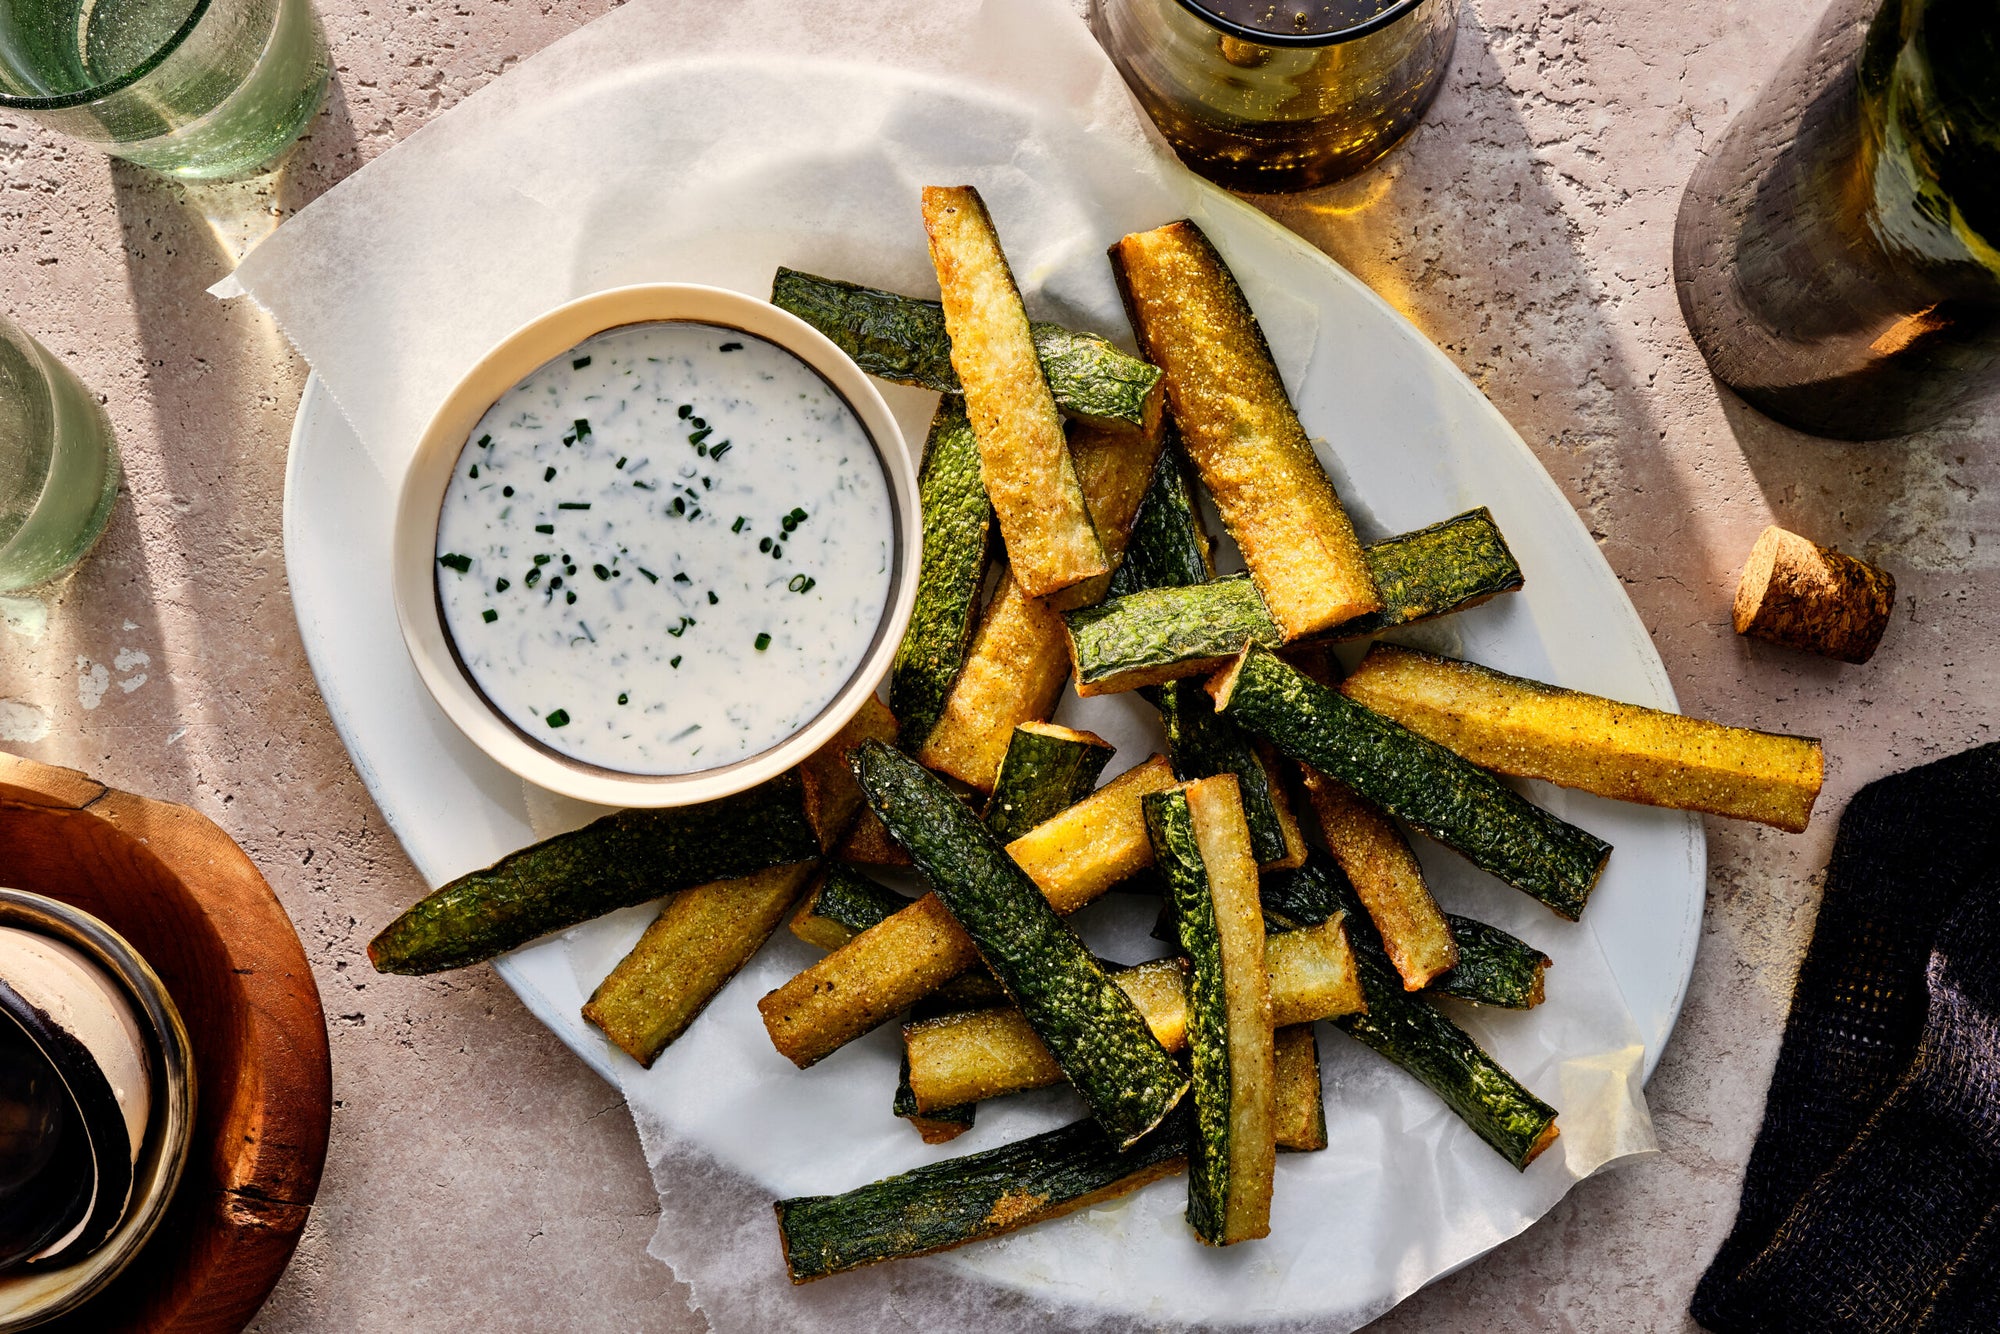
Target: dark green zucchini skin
1177, 854
1494, 967
1203, 745
618, 861
1411, 1032
957, 547
1040, 777
1408, 1030
1456, 802
1312, 893
903, 338
1091, 1027
1444, 568
855, 901
1167, 627
980, 1195
1167, 548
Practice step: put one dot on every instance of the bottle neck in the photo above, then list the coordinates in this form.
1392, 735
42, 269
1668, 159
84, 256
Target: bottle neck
1929, 84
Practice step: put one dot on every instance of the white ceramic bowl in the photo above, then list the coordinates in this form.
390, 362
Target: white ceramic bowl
521, 352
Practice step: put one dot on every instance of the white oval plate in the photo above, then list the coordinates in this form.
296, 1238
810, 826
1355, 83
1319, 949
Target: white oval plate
1408, 439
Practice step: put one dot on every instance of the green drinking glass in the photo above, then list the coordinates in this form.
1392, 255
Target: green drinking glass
1272, 98
58, 464
198, 89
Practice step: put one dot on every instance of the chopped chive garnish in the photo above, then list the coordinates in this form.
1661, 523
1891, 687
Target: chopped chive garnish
651, 578
678, 630
474, 473
695, 513
687, 731
701, 450
569, 569
737, 527
569, 439
534, 577
506, 490
557, 718
730, 347
701, 435
582, 427
645, 486
543, 559
624, 698
720, 450
712, 598
572, 504
569, 599
684, 412
697, 423
680, 505
682, 579
764, 545
600, 571
763, 642
501, 585
485, 441
489, 615
621, 461
555, 583
801, 583
586, 632
549, 473
579, 363
777, 553
674, 661
545, 528
456, 562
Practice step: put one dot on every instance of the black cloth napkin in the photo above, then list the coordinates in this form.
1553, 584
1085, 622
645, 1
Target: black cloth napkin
1872, 1198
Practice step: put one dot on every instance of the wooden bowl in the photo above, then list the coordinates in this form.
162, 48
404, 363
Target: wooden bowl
185, 896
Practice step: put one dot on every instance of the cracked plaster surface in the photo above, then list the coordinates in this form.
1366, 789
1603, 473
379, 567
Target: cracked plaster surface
479, 1175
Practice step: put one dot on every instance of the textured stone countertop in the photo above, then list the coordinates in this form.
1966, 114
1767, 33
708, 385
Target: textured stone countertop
480, 1176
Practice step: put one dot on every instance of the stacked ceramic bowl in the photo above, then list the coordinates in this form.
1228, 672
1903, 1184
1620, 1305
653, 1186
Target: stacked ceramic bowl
96, 1106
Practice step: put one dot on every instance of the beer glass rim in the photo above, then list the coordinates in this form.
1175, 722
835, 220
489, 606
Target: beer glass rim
98, 92
1374, 23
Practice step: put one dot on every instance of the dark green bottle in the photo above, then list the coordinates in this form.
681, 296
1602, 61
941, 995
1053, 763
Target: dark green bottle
1838, 254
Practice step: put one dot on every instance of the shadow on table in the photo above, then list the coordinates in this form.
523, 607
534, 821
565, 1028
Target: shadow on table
1460, 230
210, 470
1918, 500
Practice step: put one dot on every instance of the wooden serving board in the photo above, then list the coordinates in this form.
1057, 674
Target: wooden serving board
186, 897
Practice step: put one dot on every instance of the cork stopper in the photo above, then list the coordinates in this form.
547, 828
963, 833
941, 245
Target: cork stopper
1805, 596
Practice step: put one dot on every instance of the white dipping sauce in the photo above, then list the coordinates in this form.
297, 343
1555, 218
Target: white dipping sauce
666, 550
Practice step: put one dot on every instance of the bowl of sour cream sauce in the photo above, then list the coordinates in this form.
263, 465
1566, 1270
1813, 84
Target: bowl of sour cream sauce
657, 546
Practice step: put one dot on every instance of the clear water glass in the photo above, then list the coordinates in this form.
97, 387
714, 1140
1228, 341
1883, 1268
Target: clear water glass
58, 464
195, 88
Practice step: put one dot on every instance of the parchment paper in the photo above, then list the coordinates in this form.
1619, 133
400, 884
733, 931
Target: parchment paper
676, 141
